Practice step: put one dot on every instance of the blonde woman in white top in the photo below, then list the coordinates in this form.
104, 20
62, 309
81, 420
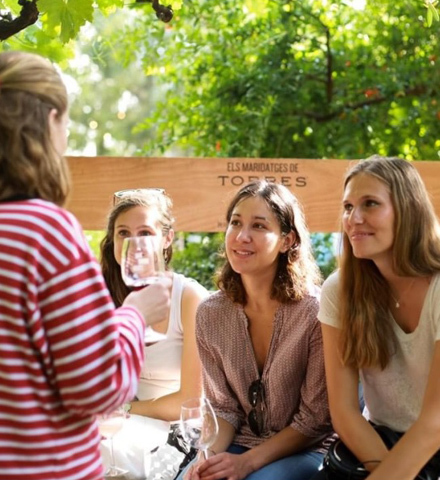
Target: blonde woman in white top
380, 317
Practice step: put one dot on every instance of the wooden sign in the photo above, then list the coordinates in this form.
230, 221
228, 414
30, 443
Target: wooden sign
201, 188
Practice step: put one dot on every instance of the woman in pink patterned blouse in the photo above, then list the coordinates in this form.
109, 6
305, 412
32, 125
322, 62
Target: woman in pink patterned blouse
260, 345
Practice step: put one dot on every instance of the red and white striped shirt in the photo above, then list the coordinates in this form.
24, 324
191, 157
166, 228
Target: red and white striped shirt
66, 354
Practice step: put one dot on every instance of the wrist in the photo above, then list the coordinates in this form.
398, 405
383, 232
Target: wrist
127, 408
252, 462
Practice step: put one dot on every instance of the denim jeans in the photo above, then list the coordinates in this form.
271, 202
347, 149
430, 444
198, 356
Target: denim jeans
299, 466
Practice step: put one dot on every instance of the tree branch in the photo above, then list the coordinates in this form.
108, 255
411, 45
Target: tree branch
163, 13
319, 117
329, 84
328, 54
28, 16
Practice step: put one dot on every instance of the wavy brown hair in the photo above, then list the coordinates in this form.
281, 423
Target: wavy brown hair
110, 267
30, 87
367, 336
297, 270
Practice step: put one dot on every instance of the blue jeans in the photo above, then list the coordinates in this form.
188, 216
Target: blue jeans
299, 466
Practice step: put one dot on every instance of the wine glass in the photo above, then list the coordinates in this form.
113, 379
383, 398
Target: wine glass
142, 261
142, 264
109, 425
198, 423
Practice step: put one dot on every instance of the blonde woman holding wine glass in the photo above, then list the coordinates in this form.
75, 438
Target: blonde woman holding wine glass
260, 344
171, 372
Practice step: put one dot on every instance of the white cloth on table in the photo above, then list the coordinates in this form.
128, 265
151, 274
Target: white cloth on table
133, 444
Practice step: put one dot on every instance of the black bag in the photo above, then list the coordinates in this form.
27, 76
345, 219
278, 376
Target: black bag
341, 464
175, 438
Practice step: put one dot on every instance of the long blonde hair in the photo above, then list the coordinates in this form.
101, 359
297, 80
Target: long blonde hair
367, 336
30, 87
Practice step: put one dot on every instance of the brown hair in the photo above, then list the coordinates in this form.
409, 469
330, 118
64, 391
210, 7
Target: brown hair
110, 268
30, 87
297, 270
367, 336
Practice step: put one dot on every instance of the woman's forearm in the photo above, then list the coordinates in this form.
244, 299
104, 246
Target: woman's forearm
284, 443
361, 438
410, 454
164, 408
226, 434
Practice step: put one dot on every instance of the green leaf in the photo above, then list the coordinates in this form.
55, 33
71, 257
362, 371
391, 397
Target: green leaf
11, 5
429, 17
177, 4
109, 6
65, 17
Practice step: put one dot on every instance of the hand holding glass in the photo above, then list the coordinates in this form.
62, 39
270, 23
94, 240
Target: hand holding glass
198, 423
142, 264
109, 425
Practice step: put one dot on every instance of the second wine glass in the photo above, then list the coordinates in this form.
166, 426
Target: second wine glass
109, 425
198, 423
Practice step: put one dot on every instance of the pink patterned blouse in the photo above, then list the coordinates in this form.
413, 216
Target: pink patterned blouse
293, 375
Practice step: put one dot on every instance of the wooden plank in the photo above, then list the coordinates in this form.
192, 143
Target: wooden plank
202, 187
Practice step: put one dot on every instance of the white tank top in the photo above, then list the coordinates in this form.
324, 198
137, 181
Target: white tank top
160, 374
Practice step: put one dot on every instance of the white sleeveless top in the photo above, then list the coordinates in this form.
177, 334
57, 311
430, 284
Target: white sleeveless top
160, 374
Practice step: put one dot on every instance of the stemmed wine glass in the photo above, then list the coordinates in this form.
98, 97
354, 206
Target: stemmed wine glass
142, 264
109, 425
199, 424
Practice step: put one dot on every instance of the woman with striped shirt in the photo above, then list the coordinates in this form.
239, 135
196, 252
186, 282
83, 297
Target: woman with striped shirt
67, 353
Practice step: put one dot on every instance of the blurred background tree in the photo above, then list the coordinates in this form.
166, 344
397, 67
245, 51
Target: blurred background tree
262, 79
311, 79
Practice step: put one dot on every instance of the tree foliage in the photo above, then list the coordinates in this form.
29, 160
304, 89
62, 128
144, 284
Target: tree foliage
199, 259
273, 78
109, 96
35, 22
314, 79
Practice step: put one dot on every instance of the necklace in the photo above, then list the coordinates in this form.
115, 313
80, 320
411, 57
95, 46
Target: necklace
397, 300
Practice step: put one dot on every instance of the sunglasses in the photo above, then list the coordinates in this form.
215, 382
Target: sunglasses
256, 399
121, 194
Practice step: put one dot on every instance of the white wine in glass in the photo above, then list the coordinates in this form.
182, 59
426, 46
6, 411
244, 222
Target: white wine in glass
198, 423
142, 264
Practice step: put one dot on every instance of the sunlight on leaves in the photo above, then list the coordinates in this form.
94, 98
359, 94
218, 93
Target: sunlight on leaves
177, 4
66, 17
11, 5
432, 12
